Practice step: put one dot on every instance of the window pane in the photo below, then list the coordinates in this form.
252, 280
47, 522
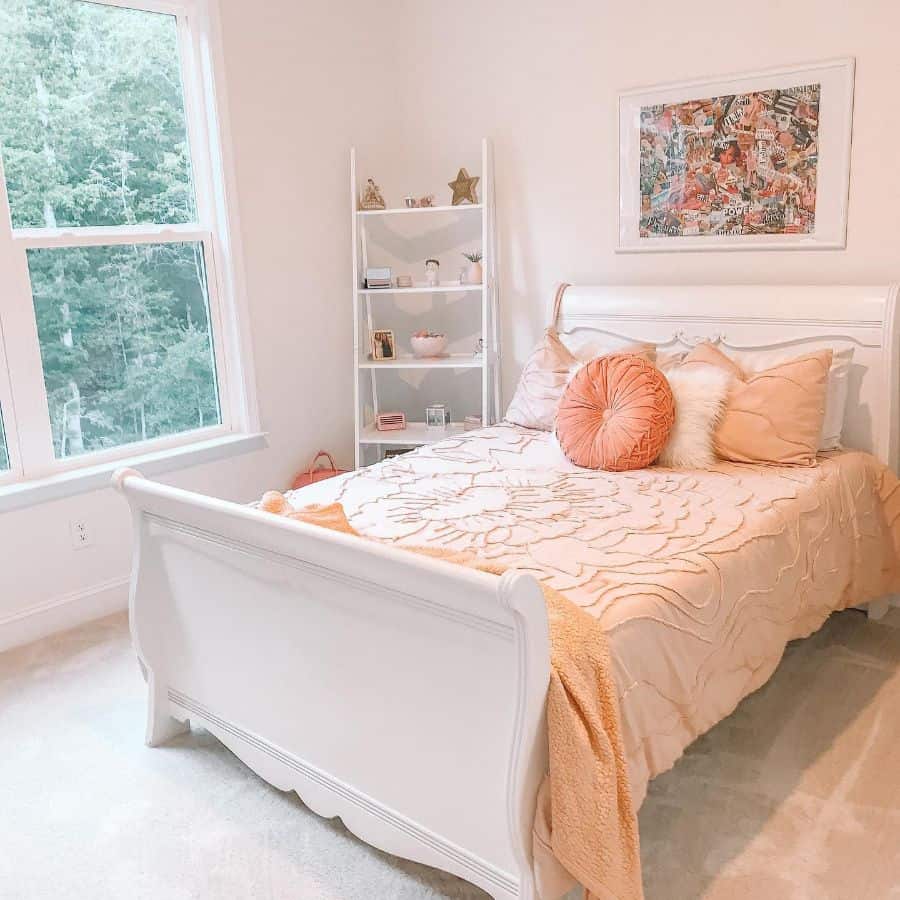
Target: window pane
4, 455
92, 123
125, 343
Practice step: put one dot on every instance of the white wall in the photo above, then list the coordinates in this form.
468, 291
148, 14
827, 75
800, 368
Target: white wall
295, 76
542, 79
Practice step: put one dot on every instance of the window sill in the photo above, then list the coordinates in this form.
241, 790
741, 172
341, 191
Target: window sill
91, 478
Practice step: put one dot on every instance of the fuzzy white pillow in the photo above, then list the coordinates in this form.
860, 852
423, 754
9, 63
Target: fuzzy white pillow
700, 394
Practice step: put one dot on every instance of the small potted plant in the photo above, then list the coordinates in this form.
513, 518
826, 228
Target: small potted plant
475, 272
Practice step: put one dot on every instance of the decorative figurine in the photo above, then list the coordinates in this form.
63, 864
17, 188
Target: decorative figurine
427, 200
371, 196
432, 272
464, 188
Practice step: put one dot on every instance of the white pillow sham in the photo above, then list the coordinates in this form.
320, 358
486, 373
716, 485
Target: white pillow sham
836, 400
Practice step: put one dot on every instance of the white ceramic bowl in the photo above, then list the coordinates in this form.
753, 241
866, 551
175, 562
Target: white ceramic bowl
428, 346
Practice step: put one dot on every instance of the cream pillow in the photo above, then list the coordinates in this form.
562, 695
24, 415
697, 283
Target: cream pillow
700, 394
772, 417
545, 376
541, 384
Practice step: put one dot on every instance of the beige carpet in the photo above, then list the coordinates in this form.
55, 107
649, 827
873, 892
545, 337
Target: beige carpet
797, 795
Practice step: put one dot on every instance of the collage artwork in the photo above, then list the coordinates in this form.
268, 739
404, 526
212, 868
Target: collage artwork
743, 164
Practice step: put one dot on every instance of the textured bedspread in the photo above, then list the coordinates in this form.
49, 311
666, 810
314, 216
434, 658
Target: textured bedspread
699, 578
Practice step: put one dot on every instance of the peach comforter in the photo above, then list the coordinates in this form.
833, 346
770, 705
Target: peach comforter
699, 578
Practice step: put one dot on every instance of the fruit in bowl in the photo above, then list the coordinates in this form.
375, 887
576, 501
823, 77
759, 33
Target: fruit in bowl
428, 343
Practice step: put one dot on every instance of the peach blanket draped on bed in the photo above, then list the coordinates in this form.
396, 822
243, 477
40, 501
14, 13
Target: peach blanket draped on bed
589, 823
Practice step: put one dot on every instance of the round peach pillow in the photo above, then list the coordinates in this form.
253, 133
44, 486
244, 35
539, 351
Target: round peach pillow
616, 414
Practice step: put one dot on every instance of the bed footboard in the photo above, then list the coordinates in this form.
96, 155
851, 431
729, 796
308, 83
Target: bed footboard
403, 694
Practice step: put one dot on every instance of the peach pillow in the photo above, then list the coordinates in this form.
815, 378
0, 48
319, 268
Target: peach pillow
616, 414
773, 417
544, 379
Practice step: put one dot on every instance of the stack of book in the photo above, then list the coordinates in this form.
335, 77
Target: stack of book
377, 277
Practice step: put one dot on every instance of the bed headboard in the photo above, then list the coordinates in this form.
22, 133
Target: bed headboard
763, 317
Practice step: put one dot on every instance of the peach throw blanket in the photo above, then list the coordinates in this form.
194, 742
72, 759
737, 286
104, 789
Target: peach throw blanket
592, 826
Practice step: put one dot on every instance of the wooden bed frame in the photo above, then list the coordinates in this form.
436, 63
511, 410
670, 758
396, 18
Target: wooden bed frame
404, 694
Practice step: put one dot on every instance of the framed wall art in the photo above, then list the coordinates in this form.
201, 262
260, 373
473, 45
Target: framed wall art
747, 162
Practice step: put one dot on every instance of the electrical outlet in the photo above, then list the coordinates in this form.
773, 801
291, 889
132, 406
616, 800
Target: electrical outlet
81, 536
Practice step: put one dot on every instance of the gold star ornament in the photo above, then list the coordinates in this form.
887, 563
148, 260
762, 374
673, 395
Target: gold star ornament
464, 188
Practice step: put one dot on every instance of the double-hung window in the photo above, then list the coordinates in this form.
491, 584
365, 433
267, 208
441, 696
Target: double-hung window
119, 334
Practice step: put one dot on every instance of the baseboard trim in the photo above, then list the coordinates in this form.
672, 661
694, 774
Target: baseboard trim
63, 612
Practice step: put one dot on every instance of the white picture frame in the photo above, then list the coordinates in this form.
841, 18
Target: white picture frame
832, 167
437, 417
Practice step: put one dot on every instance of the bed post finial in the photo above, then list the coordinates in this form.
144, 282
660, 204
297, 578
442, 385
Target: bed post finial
120, 475
557, 302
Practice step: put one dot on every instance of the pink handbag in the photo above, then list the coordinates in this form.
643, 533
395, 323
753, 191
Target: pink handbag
313, 474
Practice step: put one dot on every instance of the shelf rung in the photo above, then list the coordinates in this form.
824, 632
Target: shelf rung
453, 361
452, 288
462, 207
414, 435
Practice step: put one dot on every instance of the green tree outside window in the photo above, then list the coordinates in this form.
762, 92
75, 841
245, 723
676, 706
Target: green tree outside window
93, 133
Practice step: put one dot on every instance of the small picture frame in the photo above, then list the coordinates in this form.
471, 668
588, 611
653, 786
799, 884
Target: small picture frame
383, 346
437, 417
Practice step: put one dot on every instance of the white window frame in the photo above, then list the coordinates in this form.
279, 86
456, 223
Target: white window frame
23, 397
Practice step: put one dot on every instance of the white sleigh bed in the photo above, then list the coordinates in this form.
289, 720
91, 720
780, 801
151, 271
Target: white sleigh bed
401, 693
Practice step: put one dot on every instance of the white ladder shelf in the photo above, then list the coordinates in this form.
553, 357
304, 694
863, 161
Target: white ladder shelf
416, 433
